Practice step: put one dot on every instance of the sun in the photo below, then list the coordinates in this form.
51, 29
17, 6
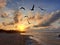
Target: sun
21, 27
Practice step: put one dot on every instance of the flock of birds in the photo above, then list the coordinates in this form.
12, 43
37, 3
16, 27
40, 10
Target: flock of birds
23, 8
32, 9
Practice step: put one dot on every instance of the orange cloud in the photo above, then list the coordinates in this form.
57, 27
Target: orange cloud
36, 19
3, 3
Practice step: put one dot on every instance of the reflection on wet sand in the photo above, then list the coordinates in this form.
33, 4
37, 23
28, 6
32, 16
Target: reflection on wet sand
46, 37
29, 38
15, 38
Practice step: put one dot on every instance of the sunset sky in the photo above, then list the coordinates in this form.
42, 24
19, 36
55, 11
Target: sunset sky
11, 15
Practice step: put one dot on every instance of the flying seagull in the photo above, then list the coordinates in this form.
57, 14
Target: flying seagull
32, 9
28, 22
22, 8
27, 19
42, 9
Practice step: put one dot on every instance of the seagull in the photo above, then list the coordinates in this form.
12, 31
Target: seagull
42, 9
28, 22
22, 8
27, 19
32, 8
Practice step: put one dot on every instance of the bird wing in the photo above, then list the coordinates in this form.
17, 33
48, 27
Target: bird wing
22, 8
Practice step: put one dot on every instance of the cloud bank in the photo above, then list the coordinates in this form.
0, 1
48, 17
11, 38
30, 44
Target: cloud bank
49, 19
36, 19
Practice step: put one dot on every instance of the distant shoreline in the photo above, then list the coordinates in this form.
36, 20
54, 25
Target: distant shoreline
10, 31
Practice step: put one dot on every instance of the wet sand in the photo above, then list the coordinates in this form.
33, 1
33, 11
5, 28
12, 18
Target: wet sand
46, 38
30, 38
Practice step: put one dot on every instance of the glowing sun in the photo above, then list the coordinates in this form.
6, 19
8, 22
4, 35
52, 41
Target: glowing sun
21, 27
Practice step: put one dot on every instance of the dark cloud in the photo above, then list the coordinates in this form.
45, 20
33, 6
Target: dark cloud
36, 20
46, 21
18, 17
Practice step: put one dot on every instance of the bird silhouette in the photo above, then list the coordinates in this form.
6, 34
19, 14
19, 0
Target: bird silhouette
28, 22
33, 8
27, 19
22, 8
42, 9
